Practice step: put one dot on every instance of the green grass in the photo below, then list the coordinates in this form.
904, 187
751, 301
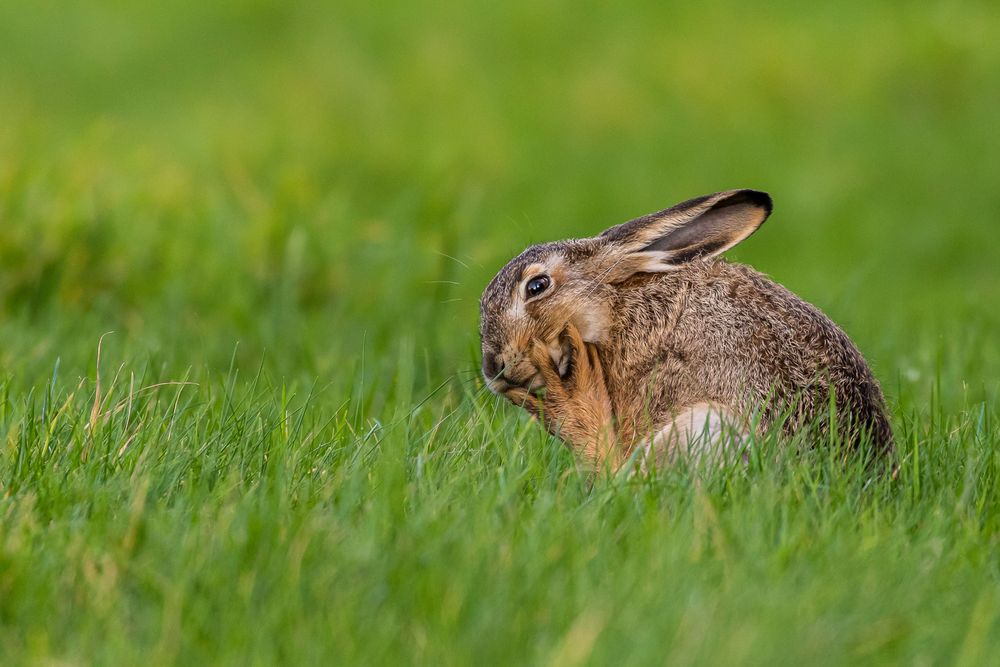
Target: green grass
286, 213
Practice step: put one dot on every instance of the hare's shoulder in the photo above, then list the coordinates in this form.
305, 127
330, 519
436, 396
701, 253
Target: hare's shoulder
730, 286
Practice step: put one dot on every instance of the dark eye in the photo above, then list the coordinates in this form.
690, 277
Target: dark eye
537, 285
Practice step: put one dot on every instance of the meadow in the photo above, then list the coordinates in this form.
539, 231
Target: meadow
241, 251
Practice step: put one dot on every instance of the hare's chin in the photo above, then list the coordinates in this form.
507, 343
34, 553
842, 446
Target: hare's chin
532, 384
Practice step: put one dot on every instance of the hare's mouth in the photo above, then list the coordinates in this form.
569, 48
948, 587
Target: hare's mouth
534, 384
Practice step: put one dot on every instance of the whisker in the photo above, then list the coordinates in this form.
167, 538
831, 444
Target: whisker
454, 259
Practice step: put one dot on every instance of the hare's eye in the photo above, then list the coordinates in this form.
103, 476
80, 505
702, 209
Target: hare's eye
537, 285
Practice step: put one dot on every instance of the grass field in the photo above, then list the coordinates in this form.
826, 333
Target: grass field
272, 222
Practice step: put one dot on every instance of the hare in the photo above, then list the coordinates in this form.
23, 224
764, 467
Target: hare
644, 338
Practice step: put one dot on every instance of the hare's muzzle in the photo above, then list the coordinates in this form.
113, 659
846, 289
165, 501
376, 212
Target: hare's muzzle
493, 366
507, 370
512, 368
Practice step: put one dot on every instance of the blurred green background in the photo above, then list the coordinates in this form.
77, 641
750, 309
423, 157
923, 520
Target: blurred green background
195, 174
313, 195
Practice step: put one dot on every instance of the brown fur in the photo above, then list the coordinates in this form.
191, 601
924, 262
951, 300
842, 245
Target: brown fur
676, 326
576, 406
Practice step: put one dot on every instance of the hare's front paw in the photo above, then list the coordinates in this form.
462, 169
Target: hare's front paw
575, 405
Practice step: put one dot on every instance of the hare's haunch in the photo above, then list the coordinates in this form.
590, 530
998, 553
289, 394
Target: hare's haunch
675, 334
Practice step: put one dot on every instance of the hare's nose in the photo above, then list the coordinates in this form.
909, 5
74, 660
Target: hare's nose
493, 366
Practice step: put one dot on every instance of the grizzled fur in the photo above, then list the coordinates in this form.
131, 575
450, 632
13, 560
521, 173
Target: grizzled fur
677, 326
724, 333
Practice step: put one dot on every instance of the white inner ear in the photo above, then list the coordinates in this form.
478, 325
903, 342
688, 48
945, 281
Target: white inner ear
651, 261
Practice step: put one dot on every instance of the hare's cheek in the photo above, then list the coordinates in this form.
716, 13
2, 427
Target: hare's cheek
593, 323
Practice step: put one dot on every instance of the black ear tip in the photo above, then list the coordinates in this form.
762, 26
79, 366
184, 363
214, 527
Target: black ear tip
757, 198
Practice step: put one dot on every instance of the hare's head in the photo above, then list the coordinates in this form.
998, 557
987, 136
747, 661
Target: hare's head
549, 285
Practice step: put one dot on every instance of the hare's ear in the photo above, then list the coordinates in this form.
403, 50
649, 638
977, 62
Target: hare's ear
698, 228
